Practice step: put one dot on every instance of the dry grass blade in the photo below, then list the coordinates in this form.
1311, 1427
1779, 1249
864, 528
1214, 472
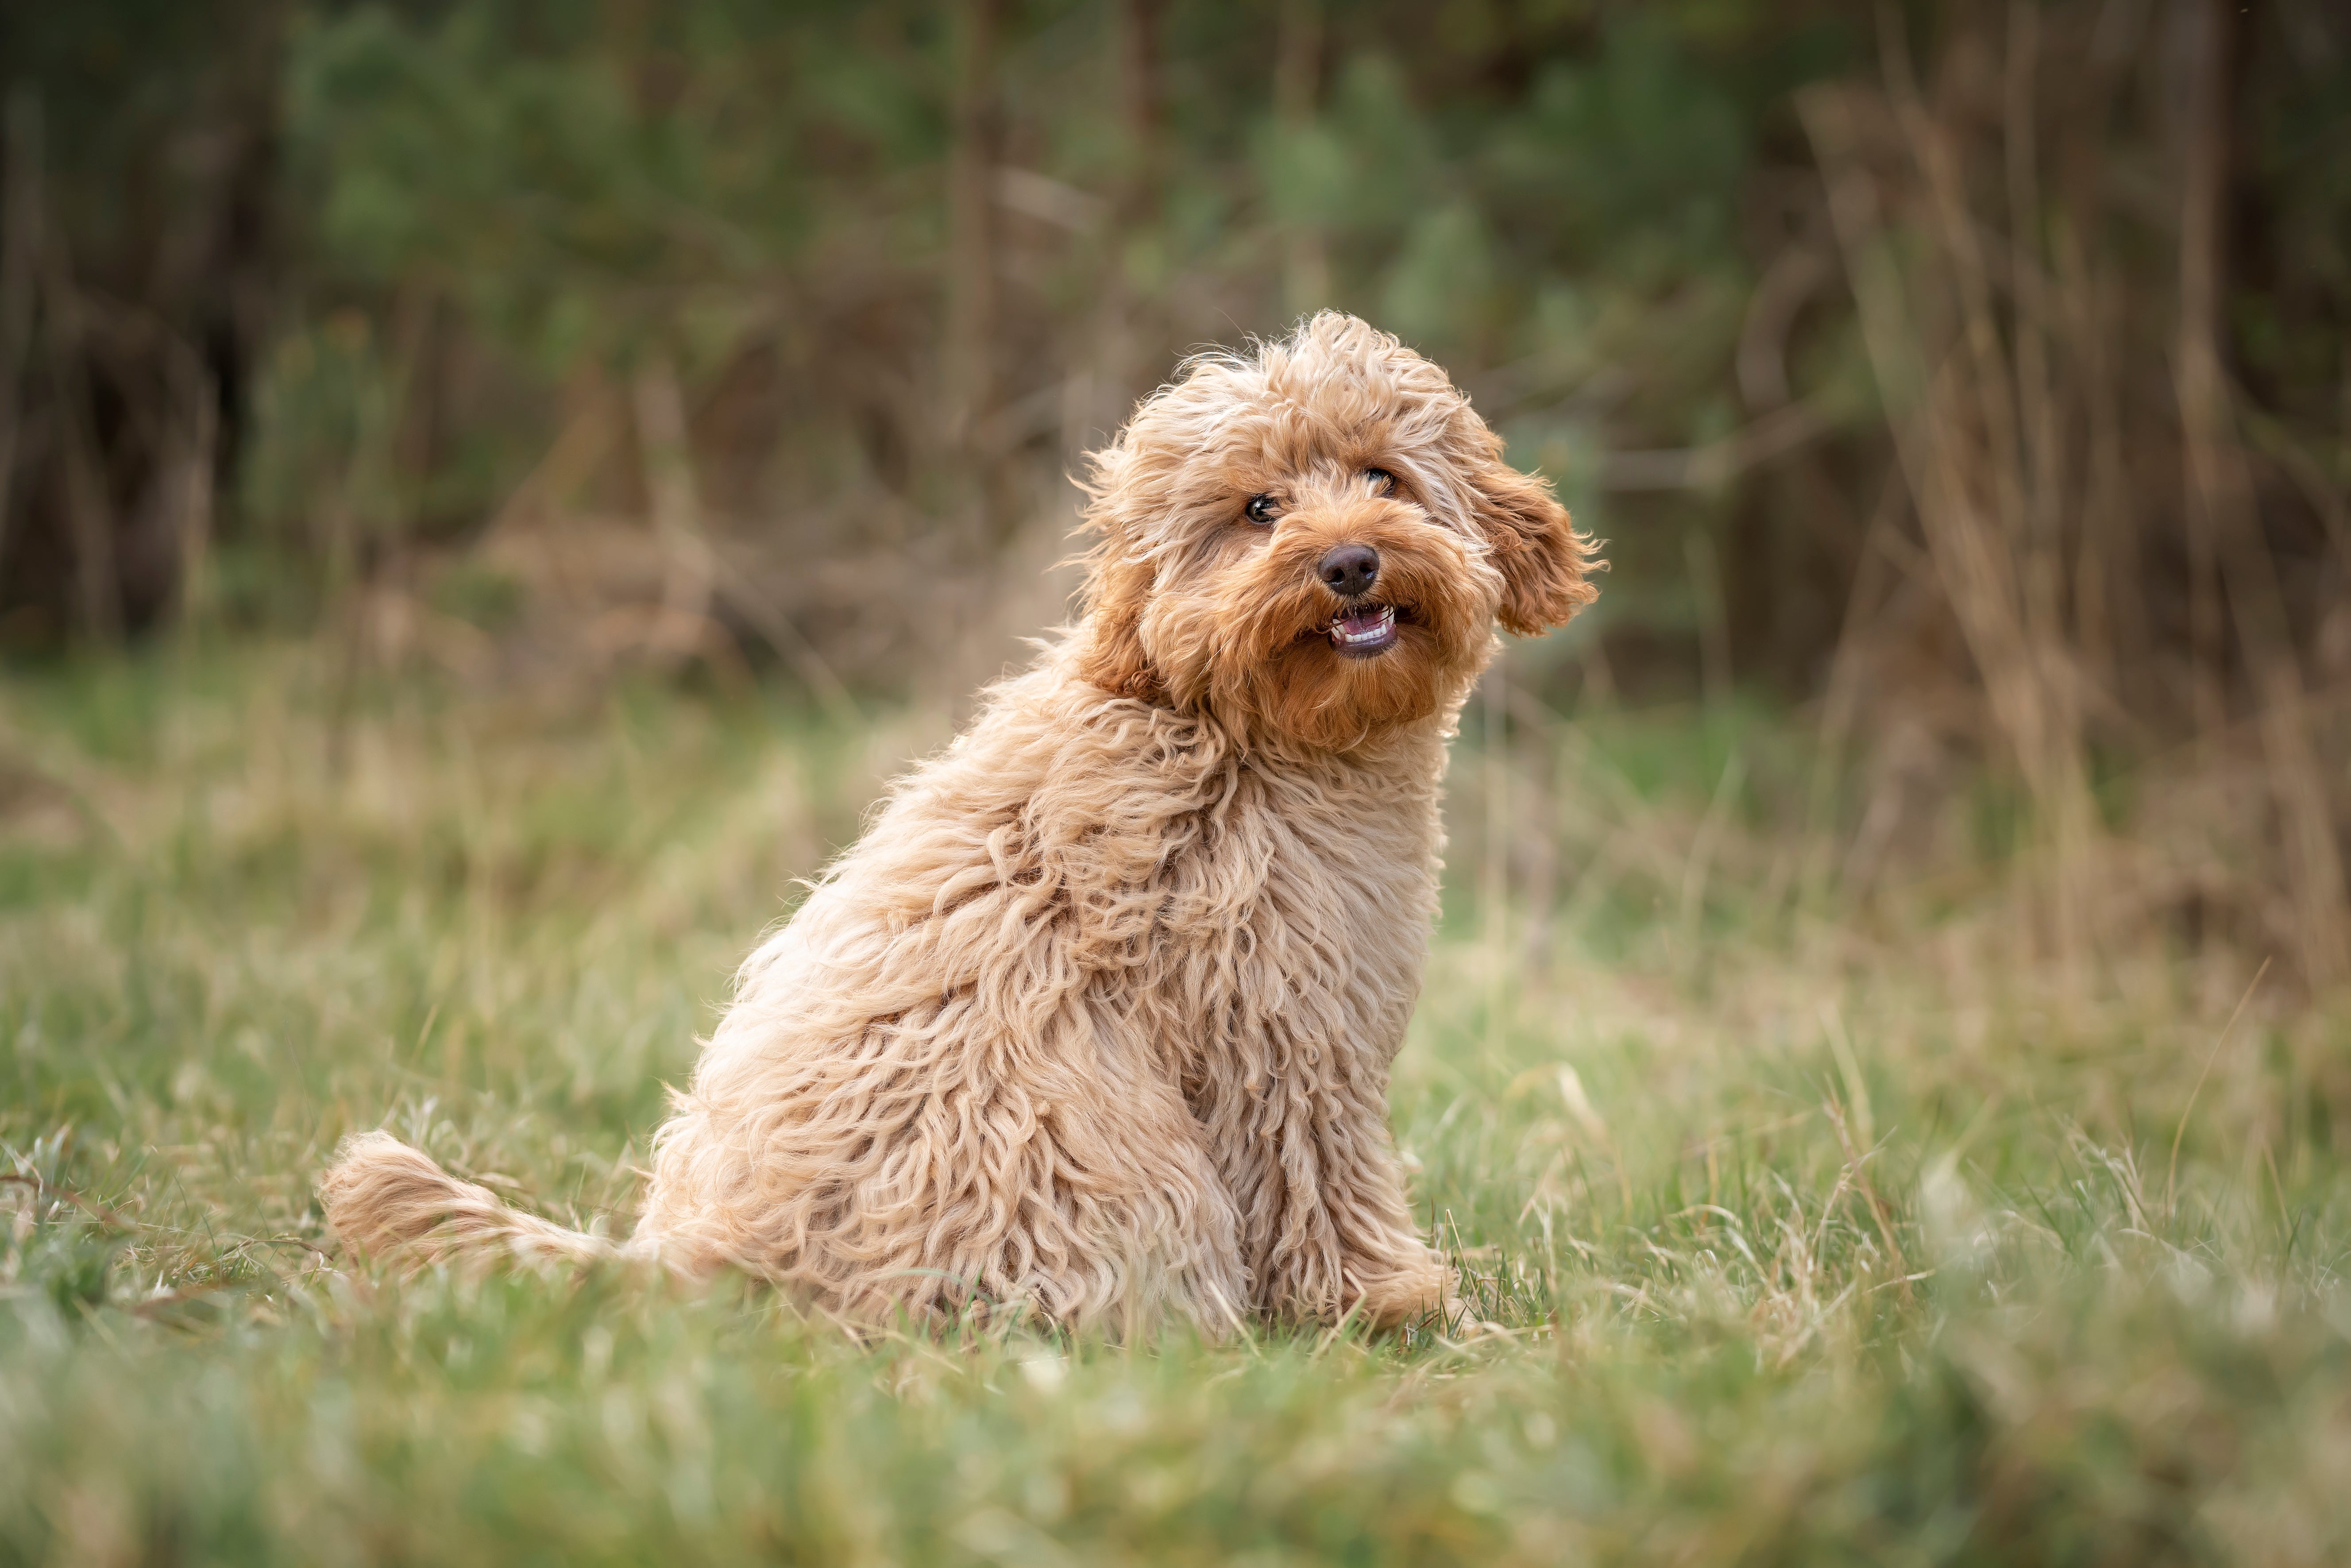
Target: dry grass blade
2171, 1171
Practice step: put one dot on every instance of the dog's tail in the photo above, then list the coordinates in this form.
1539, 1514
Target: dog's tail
384, 1197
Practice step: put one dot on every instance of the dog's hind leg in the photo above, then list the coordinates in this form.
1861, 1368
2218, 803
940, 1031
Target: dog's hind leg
944, 1163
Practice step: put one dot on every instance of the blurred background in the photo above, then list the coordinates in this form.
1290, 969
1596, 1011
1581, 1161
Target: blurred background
1967, 386
490, 489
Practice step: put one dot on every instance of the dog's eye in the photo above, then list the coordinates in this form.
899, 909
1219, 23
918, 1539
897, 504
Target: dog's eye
1382, 481
1261, 510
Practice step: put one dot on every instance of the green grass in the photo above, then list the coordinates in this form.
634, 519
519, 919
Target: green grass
1796, 1231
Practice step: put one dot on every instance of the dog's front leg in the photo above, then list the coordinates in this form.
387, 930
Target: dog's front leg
1301, 1141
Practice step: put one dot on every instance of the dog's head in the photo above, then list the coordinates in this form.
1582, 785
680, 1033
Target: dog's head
1317, 541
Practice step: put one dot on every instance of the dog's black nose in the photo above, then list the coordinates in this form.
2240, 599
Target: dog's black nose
1349, 571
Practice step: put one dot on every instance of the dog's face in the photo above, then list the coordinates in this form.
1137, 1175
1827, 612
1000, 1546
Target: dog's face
1318, 540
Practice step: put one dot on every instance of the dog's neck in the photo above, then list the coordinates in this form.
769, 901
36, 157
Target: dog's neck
1411, 750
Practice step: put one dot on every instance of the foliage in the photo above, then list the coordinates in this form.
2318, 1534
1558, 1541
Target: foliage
1805, 310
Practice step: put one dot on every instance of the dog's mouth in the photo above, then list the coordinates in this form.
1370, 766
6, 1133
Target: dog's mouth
1361, 631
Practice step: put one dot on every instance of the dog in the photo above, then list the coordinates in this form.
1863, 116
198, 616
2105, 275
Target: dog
1094, 1024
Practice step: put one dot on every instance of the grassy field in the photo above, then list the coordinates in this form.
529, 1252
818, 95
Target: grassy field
1799, 1228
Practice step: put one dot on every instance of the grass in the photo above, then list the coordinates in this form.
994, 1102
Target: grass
1798, 1229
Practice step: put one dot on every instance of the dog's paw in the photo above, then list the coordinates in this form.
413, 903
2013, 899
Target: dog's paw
1404, 1295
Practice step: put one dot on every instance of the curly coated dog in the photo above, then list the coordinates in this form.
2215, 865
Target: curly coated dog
1095, 1021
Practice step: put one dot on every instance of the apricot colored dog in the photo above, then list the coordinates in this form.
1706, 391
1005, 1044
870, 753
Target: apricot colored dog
1095, 1021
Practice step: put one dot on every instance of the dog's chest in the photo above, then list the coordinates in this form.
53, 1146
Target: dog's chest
1299, 901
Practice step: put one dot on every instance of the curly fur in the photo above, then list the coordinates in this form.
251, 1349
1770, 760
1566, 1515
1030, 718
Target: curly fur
1095, 1021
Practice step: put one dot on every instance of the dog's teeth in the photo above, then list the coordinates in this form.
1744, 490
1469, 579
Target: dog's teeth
1383, 627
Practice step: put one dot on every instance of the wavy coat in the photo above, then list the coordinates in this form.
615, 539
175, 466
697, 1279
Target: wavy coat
1096, 1019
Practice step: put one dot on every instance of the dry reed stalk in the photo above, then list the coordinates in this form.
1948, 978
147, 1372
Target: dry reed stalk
2109, 617
1493, 879
195, 434
1296, 70
2006, 552
1116, 366
1985, 502
1856, 1157
969, 360
2180, 1134
1713, 616
1841, 703
971, 375
2223, 531
689, 571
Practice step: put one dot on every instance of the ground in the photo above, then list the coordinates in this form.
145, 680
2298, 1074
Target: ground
1799, 1224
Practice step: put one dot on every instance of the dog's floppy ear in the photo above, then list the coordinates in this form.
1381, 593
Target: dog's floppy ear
1543, 560
1114, 658
1118, 583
